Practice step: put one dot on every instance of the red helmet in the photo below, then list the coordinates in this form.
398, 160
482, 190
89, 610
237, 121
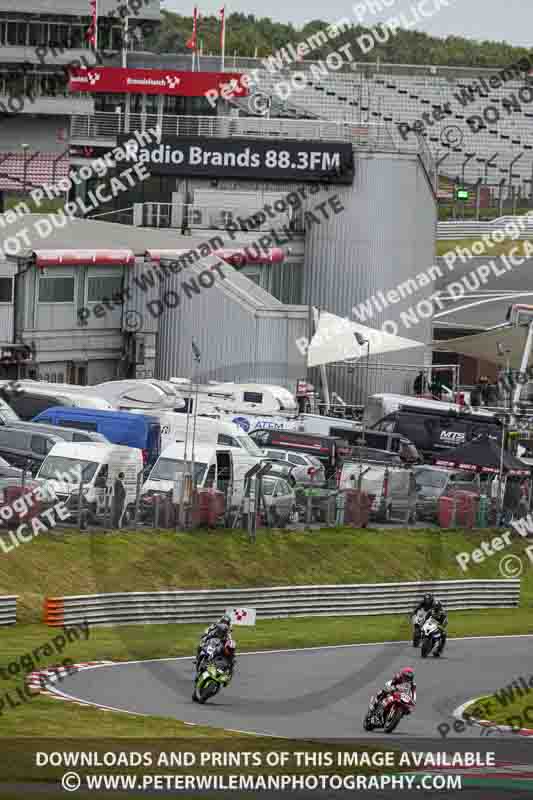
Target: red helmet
405, 675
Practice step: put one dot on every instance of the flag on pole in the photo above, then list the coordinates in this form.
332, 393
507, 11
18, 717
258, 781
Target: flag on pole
191, 44
91, 34
222, 14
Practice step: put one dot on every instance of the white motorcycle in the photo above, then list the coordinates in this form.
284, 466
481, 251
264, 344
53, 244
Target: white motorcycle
431, 638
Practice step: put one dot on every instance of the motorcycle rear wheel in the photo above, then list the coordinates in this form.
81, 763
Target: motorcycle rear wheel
392, 720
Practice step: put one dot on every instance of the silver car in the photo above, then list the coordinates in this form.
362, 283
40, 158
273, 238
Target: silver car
280, 500
306, 469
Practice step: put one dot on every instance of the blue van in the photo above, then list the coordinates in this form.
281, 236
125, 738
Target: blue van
118, 427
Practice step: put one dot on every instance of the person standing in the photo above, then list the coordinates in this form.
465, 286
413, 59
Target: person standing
119, 500
419, 385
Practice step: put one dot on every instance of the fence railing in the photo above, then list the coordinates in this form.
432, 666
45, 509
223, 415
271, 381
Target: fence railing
8, 610
108, 125
276, 602
475, 230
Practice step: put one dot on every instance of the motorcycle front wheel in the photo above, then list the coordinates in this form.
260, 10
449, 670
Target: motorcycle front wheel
392, 720
367, 722
427, 644
208, 690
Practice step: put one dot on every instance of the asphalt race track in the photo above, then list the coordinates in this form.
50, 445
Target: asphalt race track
318, 692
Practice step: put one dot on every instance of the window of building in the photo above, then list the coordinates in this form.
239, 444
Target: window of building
56, 290
6, 290
103, 287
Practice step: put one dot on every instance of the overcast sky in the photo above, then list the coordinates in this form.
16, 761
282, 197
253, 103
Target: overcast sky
510, 21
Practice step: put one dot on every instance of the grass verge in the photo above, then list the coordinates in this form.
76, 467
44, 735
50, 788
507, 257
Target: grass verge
497, 248
70, 563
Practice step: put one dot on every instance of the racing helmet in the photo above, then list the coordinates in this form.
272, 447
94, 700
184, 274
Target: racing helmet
406, 675
225, 619
222, 630
428, 600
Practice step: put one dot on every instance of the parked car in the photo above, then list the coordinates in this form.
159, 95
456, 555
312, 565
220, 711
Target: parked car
330, 450
25, 449
67, 434
281, 469
433, 483
306, 469
280, 500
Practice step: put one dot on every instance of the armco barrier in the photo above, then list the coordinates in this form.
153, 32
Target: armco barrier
463, 229
8, 609
282, 601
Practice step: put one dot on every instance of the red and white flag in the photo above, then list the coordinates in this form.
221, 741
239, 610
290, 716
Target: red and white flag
191, 44
242, 616
91, 36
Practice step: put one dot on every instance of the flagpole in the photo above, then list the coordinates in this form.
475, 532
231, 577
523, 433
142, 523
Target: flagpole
223, 36
96, 26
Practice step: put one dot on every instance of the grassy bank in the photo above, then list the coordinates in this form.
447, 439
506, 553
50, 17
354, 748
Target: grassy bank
73, 563
497, 249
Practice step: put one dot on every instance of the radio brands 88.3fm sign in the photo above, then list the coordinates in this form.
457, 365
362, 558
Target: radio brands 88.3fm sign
328, 162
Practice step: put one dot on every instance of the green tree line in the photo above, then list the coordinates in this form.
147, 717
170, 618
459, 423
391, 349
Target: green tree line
247, 35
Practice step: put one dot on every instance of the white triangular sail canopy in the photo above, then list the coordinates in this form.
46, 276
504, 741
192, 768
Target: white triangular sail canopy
334, 340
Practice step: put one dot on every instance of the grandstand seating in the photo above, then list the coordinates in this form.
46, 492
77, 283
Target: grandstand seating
388, 95
41, 168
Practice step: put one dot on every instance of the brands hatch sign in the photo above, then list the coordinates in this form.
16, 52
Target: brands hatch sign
123, 80
328, 162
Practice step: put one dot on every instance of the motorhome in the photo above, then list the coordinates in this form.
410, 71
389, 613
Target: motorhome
96, 466
257, 406
144, 394
28, 398
214, 467
256, 398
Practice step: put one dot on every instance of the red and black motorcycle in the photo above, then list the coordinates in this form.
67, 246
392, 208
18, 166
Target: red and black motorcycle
389, 712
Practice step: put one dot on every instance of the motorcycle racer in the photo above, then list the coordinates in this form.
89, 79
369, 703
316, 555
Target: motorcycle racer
426, 603
220, 630
223, 656
440, 616
405, 679
425, 606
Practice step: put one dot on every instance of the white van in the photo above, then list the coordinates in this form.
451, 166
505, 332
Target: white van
97, 466
208, 431
214, 467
